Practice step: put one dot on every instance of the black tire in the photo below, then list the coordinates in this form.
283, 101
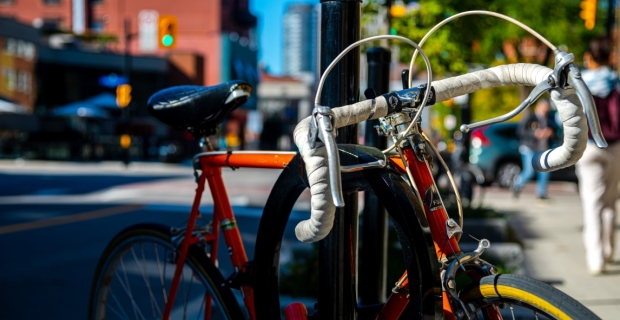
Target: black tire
521, 297
135, 272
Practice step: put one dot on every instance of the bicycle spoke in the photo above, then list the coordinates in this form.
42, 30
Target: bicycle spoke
163, 285
189, 290
127, 288
125, 316
512, 311
204, 300
183, 291
536, 314
161, 275
144, 273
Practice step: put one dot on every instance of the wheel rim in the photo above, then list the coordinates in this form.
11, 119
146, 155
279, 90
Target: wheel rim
509, 309
135, 282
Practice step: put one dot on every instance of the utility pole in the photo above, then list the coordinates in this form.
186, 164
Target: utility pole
126, 112
340, 27
373, 257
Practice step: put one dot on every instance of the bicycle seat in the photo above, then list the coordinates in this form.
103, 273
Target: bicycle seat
197, 108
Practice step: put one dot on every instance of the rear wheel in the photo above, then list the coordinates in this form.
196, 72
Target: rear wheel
519, 297
135, 273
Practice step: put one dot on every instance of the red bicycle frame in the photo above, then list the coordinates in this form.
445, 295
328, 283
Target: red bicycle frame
211, 164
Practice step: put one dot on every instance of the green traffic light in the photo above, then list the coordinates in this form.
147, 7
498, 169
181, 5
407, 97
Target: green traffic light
167, 40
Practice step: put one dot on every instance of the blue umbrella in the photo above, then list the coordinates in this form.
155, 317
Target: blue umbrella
80, 110
103, 100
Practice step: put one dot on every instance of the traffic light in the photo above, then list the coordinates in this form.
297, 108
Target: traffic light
123, 95
588, 13
168, 29
398, 10
125, 141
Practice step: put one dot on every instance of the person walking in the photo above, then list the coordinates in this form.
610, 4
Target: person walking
536, 131
598, 170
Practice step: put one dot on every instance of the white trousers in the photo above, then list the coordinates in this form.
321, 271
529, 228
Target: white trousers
599, 173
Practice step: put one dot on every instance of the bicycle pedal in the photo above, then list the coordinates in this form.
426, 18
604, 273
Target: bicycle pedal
296, 311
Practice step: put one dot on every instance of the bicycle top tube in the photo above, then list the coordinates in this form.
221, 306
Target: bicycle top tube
245, 159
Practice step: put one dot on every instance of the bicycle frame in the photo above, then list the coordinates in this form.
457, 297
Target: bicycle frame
424, 230
414, 161
210, 165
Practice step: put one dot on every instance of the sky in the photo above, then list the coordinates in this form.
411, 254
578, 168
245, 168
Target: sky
270, 13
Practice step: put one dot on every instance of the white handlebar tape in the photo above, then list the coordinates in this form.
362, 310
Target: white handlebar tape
322, 207
567, 102
575, 133
520, 74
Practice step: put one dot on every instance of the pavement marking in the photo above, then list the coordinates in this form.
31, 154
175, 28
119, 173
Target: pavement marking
101, 213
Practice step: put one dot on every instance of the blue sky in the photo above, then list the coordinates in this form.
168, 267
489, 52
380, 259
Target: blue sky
269, 13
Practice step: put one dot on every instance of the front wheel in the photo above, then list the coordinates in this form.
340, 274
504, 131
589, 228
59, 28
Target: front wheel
519, 297
135, 272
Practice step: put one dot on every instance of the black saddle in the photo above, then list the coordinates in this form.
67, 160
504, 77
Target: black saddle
196, 108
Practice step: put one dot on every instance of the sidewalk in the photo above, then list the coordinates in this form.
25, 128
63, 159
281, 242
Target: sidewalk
552, 238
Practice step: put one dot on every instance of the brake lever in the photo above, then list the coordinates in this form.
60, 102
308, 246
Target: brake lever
589, 108
534, 95
323, 128
565, 73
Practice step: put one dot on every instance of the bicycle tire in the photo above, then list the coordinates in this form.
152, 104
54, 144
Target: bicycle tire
136, 283
527, 294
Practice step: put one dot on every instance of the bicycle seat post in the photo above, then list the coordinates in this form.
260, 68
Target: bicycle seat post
205, 144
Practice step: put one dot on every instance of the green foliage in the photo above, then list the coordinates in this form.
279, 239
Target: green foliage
480, 39
299, 276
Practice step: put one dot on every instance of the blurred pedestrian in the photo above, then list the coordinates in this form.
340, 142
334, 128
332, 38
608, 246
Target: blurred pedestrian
536, 132
599, 169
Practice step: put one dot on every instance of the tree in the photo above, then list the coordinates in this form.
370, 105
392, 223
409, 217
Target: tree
486, 41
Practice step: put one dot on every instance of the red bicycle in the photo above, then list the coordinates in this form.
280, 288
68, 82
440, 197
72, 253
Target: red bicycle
152, 271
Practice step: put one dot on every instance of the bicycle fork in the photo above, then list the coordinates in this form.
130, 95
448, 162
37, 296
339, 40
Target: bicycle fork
443, 230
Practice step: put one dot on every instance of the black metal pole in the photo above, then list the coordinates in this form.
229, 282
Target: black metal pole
373, 256
340, 27
126, 112
609, 23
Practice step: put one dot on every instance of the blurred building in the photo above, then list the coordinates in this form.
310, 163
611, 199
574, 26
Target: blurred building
283, 102
205, 28
55, 53
301, 26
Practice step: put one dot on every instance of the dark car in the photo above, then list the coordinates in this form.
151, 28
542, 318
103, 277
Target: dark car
495, 151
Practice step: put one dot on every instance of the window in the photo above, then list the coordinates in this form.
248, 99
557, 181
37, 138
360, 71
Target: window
6, 2
98, 25
11, 47
9, 75
51, 2
51, 23
23, 82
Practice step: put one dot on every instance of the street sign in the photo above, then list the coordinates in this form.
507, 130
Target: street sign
112, 80
148, 26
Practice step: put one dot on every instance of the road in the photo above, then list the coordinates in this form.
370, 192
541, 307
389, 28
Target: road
56, 221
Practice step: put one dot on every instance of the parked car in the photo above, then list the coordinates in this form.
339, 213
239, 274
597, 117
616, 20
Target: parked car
495, 151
